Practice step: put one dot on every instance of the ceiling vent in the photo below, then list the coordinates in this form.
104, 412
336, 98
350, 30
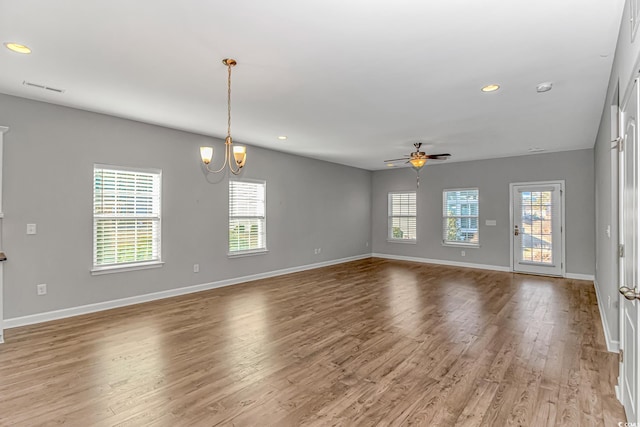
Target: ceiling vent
44, 87
544, 87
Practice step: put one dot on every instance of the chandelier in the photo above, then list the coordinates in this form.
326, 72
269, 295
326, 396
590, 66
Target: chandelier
239, 151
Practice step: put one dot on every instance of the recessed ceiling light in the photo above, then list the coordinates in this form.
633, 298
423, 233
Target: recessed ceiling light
282, 137
390, 165
490, 88
16, 47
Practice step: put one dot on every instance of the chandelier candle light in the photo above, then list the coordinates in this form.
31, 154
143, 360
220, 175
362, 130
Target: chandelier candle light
239, 151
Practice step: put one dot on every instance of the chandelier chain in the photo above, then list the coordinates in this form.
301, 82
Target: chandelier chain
229, 102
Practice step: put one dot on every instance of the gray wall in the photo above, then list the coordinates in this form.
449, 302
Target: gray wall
492, 177
49, 156
606, 178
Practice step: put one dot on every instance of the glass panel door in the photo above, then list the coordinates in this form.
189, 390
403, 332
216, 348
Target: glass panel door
537, 228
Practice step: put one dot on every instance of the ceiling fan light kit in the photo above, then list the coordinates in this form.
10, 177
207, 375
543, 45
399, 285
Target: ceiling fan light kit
418, 159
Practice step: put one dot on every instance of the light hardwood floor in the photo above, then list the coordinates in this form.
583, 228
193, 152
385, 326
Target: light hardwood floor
371, 342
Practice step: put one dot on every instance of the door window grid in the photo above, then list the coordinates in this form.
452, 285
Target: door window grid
537, 234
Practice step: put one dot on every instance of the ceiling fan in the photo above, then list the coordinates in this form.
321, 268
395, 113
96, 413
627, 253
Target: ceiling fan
419, 158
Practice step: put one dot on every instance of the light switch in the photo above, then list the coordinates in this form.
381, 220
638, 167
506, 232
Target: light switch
31, 229
491, 222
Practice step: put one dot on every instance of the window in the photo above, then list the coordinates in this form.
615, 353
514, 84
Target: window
460, 217
402, 217
126, 217
247, 223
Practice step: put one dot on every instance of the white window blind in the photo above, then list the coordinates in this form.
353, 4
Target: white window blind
402, 216
460, 217
247, 219
126, 216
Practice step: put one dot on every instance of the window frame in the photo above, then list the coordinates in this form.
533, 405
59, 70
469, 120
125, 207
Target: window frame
247, 252
98, 269
390, 218
445, 217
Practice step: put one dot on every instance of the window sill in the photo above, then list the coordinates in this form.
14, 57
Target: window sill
97, 271
459, 245
247, 253
405, 241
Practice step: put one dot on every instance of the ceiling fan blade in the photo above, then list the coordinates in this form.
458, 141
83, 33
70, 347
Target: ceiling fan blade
438, 156
396, 160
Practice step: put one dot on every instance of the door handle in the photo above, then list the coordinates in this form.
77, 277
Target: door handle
516, 232
629, 293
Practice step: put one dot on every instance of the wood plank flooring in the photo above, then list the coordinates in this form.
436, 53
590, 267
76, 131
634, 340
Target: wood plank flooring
371, 342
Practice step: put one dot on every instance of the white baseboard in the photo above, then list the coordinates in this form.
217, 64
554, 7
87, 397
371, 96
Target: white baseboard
107, 305
612, 345
575, 276
578, 276
442, 262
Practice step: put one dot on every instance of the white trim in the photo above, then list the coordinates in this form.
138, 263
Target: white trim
127, 168
243, 254
120, 268
580, 276
107, 305
123, 302
613, 346
563, 233
460, 244
3, 129
405, 241
117, 267
446, 217
442, 262
575, 276
253, 251
390, 217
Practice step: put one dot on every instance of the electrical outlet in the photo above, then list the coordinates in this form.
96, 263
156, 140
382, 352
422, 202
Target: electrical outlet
31, 229
319, 250
42, 289
196, 268
609, 301
463, 253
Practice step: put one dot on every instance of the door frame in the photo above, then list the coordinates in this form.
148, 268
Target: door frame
562, 222
3, 129
634, 81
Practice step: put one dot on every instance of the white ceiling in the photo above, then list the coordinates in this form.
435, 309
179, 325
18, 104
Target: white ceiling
353, 82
